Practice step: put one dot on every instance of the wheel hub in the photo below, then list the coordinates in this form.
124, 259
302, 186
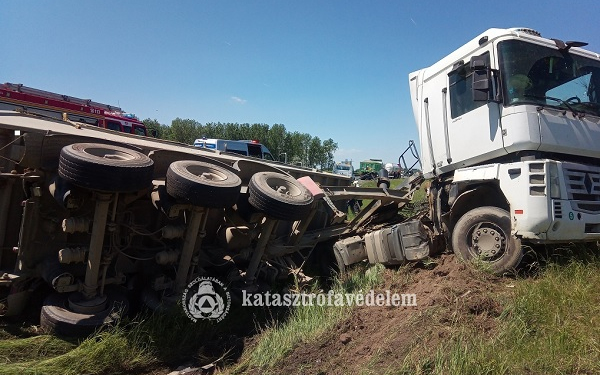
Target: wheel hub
113, 157
488, 242
209, 176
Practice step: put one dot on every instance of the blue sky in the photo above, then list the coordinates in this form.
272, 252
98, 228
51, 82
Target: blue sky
333, 69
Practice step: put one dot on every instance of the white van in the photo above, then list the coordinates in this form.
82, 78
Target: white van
246, 147
344, 168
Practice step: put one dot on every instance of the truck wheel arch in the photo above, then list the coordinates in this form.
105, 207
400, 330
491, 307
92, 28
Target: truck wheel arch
475, 196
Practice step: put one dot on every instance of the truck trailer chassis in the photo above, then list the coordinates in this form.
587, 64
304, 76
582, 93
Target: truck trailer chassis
98, 216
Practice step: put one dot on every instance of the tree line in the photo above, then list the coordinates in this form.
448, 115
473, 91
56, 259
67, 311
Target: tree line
292, 147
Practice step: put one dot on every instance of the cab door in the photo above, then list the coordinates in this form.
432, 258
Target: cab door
472, 128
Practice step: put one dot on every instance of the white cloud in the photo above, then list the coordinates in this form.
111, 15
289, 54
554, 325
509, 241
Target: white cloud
238, 100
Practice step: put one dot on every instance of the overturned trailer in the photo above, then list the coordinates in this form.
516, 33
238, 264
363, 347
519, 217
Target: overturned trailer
97, 217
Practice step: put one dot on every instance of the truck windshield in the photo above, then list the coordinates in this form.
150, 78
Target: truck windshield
534, 74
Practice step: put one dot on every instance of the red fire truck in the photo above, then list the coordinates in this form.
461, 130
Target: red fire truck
34, 101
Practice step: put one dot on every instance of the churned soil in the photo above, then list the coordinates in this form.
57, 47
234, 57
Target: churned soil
450, 296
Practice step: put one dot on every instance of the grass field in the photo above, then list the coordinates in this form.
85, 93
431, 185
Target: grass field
549, 325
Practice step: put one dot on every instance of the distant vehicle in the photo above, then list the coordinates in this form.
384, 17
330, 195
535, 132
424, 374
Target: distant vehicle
344, 168
16, 97
393, 170
369, 169
245, 147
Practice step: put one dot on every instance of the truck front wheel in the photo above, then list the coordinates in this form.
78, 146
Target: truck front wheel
483, 234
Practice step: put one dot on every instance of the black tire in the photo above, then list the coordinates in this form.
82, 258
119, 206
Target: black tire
279, 196
202, 184
483, 234
58, 319
105, 167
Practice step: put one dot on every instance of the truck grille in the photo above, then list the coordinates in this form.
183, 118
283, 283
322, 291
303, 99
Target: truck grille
583, 187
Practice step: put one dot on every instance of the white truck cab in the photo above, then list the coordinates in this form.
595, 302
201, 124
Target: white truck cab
246, 147
509, 135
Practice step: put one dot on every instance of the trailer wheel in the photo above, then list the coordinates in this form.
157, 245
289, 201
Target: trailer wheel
279, 196
483, 234
202, 184
105, 167
56, 317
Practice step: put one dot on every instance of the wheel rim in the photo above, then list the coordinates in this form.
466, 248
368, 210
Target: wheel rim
487, 241
283, 187
206, 173
105, 153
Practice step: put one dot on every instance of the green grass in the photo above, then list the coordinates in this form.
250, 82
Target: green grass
305, 323
31, 348
550, 325
133, 346
113, 350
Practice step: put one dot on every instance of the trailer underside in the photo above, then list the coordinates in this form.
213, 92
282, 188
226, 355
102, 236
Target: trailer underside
94, 214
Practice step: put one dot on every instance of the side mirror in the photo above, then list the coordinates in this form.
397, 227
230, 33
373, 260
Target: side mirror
480, 80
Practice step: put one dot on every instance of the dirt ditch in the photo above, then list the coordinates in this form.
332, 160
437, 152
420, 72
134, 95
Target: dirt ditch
377, 339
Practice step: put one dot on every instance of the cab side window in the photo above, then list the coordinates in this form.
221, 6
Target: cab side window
461, 89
